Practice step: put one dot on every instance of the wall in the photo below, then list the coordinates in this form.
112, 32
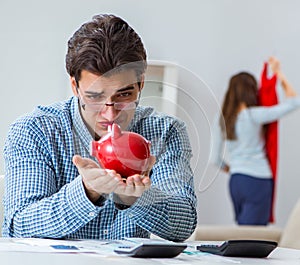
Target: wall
209, 40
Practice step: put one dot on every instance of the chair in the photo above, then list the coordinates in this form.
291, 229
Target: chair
288, 237
1, 203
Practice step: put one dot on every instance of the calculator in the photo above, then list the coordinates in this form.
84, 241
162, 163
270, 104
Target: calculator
151, 250
241, 248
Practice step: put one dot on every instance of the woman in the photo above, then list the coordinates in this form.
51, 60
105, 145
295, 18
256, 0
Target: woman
241, 129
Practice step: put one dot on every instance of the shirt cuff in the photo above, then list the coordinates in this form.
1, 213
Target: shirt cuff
144, 204
79, 203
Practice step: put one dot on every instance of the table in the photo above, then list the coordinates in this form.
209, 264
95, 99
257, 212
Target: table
16, 257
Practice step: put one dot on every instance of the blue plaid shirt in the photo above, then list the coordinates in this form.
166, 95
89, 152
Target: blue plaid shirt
45, 197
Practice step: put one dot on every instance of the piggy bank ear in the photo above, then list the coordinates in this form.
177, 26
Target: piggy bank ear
115, 131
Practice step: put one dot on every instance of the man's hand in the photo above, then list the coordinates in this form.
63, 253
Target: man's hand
96, 181
134, 186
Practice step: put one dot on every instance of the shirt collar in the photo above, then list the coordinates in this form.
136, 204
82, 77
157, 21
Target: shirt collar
80, 128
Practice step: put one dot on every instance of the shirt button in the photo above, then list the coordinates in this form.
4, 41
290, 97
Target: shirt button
91, 214
105, 232
130, 215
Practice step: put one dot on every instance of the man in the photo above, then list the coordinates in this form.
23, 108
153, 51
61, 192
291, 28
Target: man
55, 189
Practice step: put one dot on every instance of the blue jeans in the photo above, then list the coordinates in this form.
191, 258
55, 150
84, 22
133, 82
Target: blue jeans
252, 199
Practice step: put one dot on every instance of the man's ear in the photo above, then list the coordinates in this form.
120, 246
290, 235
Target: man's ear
74, 85
142, 82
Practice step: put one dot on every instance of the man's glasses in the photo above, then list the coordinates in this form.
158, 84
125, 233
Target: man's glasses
123, 100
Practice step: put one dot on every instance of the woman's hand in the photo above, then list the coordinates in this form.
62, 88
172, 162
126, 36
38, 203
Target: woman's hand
287, 87
274, 64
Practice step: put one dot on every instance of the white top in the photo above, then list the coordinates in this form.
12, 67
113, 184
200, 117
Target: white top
246, 153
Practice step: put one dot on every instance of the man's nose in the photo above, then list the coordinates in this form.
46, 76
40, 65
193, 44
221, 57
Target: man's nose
109, 112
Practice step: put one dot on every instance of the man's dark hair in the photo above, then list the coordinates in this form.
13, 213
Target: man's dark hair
103, 46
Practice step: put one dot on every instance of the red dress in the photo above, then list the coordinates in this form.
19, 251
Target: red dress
267, 96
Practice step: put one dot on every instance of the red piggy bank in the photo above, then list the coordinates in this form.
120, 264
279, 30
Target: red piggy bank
125, 152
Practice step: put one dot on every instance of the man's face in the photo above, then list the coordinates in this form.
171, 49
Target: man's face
106, 100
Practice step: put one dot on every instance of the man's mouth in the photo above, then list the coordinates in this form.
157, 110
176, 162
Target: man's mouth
105, 124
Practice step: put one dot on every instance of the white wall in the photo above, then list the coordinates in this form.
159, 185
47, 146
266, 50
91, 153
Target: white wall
209, 39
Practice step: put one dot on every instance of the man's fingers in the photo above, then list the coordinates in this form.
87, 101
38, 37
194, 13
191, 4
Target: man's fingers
152, 160
84, 162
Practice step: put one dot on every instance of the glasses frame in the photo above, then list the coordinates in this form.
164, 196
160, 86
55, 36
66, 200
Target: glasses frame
112, 104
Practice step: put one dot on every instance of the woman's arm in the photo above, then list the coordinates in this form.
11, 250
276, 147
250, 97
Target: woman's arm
287, 87
264, 115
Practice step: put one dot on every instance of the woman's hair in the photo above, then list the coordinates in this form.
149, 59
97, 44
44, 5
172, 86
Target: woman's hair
103, 46
242, 89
